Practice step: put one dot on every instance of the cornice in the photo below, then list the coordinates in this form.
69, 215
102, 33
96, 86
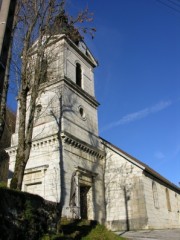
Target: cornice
83, 146
49, 141
86, 95
67, 138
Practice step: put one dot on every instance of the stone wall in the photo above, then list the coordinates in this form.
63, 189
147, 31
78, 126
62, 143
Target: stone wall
89, 172
71, 58
163, 211
25, 216
124, 193
136, 196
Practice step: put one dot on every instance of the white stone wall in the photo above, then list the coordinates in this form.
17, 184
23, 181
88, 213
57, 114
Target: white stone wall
74, 158
49, 170
125, 202
44, 122
160, 217
55, 70
71, 58
42, 170
83, 127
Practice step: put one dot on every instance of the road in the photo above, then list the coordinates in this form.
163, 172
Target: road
168, 234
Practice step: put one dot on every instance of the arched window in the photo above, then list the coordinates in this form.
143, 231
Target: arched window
43, 73
38, 112
168, 200
155, 195
78, 75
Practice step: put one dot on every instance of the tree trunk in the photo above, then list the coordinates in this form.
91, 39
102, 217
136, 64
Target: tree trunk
26, 128
4, 92
16, 182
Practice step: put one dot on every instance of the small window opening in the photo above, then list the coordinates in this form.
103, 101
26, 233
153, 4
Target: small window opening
155, 195
38, 108
43, 74
82, 112
78, 75
38, 111
168, 200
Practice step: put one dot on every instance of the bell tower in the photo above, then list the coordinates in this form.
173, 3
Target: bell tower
80, 105
66, 160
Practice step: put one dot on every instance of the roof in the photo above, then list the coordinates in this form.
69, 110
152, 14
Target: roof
145, 167
83, 50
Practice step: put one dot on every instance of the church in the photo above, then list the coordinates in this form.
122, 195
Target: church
70, 163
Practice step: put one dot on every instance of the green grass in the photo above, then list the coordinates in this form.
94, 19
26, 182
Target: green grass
101, 233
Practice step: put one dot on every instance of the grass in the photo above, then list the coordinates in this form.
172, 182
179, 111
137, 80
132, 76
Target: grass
101, 233
83, 230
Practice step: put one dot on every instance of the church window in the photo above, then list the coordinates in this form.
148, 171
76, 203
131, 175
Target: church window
168, 200
78, 75
155, 195
82, 113
43, 74
38, 111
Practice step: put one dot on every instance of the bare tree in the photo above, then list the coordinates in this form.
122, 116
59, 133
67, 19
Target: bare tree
5, 60
36, 18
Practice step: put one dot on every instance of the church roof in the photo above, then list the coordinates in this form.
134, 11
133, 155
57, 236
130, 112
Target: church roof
83, 50
146, 169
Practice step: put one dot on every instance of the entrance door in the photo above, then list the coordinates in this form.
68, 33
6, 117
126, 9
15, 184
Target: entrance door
83, 201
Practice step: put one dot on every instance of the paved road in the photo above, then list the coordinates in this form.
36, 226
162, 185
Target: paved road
168, 234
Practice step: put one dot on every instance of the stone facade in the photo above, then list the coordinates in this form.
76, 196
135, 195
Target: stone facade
71, 164
125, 199
166, 212
136, 196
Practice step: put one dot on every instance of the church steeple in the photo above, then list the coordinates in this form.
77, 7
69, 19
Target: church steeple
66, 109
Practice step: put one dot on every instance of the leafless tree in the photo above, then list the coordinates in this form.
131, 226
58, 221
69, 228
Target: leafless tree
39, 22
5, 60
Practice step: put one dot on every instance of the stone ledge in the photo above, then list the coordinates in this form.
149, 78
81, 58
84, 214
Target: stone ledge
40, 143
77, 143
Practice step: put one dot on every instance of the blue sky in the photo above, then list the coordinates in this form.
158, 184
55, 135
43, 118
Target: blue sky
137, 45
137, 82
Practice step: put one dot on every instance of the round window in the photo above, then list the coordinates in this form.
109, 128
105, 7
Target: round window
82, 113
